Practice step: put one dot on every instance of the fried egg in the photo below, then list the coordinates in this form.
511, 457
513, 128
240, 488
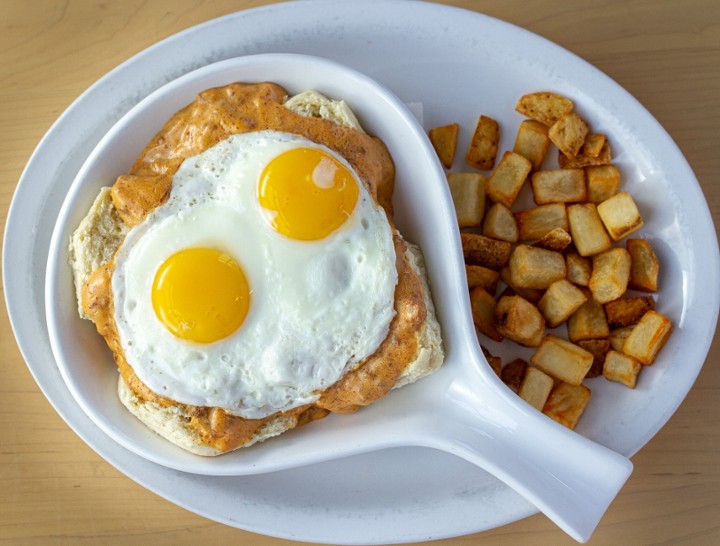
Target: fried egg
267, 274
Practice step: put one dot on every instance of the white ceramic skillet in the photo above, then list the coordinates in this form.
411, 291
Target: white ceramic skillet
463, 409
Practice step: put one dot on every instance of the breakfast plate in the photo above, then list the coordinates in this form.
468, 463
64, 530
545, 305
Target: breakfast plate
453, 498
463, 408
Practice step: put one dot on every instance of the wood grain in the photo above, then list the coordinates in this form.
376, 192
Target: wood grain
55, 490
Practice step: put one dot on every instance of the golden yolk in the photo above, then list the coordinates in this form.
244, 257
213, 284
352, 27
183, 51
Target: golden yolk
201, 295
309, 193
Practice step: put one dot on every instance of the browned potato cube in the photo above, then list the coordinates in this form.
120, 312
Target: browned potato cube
561, 359
593, 145
532, 142
567, 403
610, 275
484, 144
626, 311
599, 349
582, 160
496, 364
533, 295
579, 268
558, 240
620, 215
587, 230
621, 368
561, 299
568, 134
533, 267
519, 320
588, 322
494, 361
544, 107
617, 337
535, 388
559, 186
483, 277
508, 178
645, 266
648, 337
535, 223
500, 224
483, 312
468, 195
485, 251
603, 182
444, 140
513, 373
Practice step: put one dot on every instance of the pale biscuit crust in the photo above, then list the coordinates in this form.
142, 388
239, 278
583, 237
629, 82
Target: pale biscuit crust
313, 104
95, 241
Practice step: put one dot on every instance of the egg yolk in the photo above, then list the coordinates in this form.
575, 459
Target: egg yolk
308, 192
201, 295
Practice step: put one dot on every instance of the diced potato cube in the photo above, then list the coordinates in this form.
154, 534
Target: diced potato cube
579, 268
536, 388
599, 349
544, 107
485, 251
519, 320
483, 312
620, 215
533, 295
645, 266
494, 361
648, 337
561, 299
567, 403
444, 140
500, 224
583, 160
610, 275
603, 182
468, 195
568, 134
532, 267
626, 311
508, 178
483, 277
496, 364
593, 145
484, 144
617, 337
587, 229
562, 359
532, 142
558, 240
588, 322
559, 186
513, 373
536, 222
621, 368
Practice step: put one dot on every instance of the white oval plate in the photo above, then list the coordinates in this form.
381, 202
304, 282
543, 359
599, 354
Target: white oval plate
407, 47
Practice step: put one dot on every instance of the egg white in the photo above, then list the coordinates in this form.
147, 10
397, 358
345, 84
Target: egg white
317, 308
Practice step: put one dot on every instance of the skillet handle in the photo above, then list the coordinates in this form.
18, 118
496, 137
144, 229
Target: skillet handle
569, 478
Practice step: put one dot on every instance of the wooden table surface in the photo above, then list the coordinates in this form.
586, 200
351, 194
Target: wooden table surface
55, 489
